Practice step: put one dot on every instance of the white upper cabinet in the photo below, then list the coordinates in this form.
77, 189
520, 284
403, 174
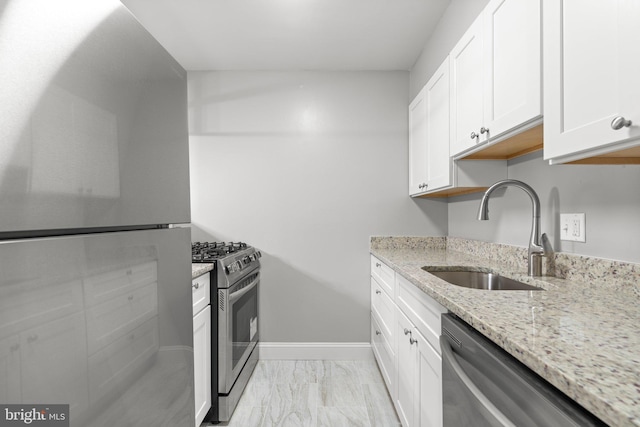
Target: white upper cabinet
467, 90
418, 144
591, 69
430, 164
512, 65
438, 160
496, 77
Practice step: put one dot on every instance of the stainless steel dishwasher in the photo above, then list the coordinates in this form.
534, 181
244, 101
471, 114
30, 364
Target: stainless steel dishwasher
483, 385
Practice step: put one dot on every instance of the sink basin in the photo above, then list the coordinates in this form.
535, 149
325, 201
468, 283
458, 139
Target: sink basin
482, 280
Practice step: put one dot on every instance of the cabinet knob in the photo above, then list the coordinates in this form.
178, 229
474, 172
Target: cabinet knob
406, 331
474, 135
619, 122
378, 332
378, 292
484, 130
195, 285
412, 341
378, 264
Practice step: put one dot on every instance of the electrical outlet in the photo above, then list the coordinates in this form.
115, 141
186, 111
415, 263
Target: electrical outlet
572, 227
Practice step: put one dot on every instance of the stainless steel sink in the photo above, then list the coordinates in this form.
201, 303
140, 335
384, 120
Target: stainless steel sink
481, 280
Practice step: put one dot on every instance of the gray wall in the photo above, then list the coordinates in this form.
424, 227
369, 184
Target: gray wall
608, 195
306, 166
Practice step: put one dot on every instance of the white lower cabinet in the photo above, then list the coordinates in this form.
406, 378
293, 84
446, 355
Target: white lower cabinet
429, 384
201, 346
407, 358
409, 354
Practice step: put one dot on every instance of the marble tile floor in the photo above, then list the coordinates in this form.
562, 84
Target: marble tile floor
315, 393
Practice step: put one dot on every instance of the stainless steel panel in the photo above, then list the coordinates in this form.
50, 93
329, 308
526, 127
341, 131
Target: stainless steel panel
93, 119
484, 386
139, 372
229, 365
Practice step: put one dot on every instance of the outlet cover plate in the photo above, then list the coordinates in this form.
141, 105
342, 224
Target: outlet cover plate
573, 227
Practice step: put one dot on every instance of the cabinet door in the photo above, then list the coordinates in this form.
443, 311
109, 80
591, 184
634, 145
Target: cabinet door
512, 64
407, 364
202, 362
591, 56
418, 144
437, 105
54, 363
429, 377
466, 89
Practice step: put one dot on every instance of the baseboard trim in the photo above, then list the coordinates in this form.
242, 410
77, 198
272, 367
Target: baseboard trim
315, 351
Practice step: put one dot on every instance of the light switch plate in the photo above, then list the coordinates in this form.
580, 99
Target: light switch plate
573, 227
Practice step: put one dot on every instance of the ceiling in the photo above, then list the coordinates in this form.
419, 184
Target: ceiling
291, 34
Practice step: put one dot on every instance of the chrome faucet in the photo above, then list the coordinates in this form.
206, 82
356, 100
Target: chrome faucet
536, 249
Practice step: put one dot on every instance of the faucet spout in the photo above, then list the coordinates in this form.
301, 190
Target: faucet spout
535, 250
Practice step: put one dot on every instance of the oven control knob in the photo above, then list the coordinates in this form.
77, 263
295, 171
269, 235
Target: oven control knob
238, 265
258, 254
246, 259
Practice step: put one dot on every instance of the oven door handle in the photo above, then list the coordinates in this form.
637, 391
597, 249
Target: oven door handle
447, 352
237, 294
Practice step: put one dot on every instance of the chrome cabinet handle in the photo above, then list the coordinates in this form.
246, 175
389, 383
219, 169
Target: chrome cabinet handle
423, 185
378, 264
406, 331
474, 135
484, 130
195, 285
619, 122
378, 332
378, 292
412, 341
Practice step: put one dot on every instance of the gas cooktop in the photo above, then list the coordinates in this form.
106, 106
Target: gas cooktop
215, 251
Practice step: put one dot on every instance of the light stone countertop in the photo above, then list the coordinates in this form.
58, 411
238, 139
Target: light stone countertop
198, 269
581, 336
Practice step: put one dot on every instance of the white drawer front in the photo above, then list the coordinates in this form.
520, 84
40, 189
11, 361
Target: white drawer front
384, 275
384, 354
200, 292
423, 311
384, 308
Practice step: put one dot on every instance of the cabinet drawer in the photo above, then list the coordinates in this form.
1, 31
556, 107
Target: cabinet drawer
105, 286
118, 316
384, 354
200, 292
423, 311
384, 308
384, 275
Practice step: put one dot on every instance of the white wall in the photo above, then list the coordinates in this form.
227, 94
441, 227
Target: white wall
305, 166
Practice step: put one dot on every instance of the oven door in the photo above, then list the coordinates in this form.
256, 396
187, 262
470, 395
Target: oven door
238, 328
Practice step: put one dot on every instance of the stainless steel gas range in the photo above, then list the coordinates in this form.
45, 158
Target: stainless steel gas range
235, 333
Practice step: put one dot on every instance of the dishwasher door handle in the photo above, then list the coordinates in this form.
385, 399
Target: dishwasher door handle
447, 353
